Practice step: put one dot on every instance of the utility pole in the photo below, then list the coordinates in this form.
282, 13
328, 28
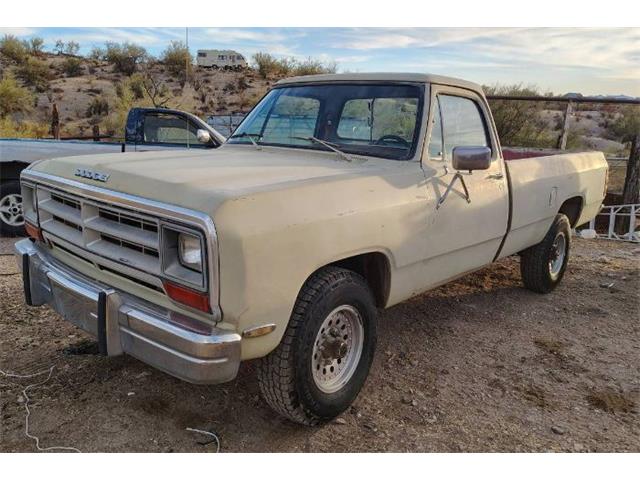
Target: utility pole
187, 57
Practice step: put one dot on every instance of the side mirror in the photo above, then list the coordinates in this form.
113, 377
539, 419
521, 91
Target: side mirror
471, 158
203, 136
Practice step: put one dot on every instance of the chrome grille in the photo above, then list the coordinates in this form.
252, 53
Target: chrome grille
117, 234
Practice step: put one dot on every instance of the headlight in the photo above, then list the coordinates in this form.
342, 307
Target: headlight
184, 256
190, 251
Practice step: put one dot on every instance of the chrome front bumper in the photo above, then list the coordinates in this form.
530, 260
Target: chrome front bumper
126, 324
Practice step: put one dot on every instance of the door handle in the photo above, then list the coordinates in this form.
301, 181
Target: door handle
496, 176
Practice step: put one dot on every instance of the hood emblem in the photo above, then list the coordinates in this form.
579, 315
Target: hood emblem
91, 174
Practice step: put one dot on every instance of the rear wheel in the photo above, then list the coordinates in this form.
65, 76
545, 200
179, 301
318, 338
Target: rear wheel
324, 357
543, 265
11, 215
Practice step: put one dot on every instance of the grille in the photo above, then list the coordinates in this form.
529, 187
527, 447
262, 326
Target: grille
120, 235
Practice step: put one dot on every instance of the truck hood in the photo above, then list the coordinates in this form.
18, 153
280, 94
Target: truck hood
202, 180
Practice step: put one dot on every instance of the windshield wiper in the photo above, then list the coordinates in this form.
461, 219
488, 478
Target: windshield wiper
330, 146
250, 137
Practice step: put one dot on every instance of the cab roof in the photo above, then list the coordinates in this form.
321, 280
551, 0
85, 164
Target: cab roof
382, 77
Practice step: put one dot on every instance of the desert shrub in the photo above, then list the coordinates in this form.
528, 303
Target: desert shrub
313, 67
13, 97
35, 73
72, 67
137, 86
72, 48
36, 46
177, 58
99, 107
269, 66
59, 47
125, 57
97, 53
626, 126
23, 129
520, 123
14, 49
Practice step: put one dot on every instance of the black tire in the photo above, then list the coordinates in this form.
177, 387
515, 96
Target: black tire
535, 262
285, 375
7, 190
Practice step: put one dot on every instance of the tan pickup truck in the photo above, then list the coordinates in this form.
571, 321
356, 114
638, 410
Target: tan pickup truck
337, 196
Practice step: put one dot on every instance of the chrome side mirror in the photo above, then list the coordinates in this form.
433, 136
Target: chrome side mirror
471, 158
203, 136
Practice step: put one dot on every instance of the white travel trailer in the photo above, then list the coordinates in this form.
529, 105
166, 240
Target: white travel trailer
225, 59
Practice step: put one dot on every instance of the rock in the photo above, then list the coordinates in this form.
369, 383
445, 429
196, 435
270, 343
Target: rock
370, 426
558, 430
407, 400
20, 399
578, 447
414, 363
588, 233
340, 421
414, 403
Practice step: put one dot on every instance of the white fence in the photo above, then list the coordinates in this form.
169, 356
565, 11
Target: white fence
631, 216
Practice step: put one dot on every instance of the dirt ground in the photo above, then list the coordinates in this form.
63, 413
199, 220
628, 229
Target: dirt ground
477, 365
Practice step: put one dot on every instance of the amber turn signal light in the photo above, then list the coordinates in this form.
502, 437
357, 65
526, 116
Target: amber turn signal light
197, 300
33, 231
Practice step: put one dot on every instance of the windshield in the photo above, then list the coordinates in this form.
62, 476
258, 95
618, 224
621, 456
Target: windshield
381, 120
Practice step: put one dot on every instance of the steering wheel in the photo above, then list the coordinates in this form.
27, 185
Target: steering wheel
392, 138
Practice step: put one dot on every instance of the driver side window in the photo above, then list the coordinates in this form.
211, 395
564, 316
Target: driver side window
370, 119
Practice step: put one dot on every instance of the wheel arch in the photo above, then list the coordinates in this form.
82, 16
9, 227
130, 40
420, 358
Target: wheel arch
572, 208
374, 267
11, 169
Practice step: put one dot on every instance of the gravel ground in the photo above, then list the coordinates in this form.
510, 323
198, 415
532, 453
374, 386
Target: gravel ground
477, 365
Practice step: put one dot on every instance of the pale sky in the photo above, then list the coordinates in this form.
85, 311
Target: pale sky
587, 60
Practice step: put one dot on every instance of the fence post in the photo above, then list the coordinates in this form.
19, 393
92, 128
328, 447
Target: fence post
631, 191
55, 122
562, 142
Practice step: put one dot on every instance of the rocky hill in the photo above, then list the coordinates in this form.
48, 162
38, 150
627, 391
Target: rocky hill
92, 92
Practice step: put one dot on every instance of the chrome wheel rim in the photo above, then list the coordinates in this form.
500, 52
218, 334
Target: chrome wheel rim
558, 252
337, 349
11, 210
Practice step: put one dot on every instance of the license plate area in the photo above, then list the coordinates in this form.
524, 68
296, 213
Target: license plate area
84, 308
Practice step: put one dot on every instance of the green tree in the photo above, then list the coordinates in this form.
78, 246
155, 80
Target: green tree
125, 57
177, 59
72, 48
36, 46
59, 47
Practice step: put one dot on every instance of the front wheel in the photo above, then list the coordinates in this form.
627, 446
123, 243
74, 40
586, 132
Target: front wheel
11, 215
324, 357
543, 265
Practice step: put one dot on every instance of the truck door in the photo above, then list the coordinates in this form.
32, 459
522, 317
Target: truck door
464, 233
158, 130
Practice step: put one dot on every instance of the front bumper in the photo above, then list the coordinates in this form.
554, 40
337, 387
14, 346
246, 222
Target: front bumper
123, 323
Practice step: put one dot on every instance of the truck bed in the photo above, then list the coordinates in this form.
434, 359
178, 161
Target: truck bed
540, 186
29, 150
